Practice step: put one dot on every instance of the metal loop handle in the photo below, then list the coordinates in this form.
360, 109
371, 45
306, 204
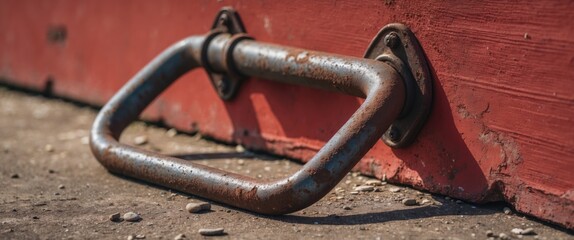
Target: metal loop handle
377, 81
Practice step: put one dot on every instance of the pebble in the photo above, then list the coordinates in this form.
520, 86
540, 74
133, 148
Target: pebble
395, 189
61, 186
140, 140
528, 231
374, 183
506, 210
489, 233
516, 230
116, 217
49, 148
132, 237
458, 202
211, 232
409, 201
364, 188
198, 207
239, 148
179, 237
520, 231
503, 236
15, 175
171, 132
132, 217
354, 193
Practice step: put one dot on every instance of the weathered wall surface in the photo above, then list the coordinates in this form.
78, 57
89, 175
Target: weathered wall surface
501, 124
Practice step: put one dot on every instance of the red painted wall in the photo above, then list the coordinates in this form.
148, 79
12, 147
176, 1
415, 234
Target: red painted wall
501, 124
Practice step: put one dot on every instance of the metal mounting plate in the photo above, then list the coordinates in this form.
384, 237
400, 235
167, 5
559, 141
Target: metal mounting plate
398, 46
226, 85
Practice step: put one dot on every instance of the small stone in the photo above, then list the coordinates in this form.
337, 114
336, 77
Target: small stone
140, 236
347, 208
116, 217
364, 188
354, 193
50, 171
425, 201
409, 201
489, 233
131, 237
198, 207
171, 132
49, 148
239, 148
526, 36
373, 183
503, 236
211, 232
516, 231
528, 231
61, 186
15, 175
447, 198
179, 237
507, 210
132, 217
140, 140
458, 202
394, 190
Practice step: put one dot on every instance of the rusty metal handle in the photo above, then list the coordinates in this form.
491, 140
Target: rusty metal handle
224, 53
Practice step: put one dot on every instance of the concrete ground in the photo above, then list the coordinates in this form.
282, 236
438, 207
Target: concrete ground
53, 188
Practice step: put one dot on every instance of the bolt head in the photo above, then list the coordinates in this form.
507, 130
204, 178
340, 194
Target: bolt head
394, 134
222, 85
392, 40
223, 19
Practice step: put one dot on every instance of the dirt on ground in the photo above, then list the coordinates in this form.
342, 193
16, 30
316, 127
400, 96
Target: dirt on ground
53, 188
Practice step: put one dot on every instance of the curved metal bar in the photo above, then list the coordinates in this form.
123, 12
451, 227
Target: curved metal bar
380, 83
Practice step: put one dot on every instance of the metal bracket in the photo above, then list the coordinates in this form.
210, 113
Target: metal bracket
225, 84
398, 46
